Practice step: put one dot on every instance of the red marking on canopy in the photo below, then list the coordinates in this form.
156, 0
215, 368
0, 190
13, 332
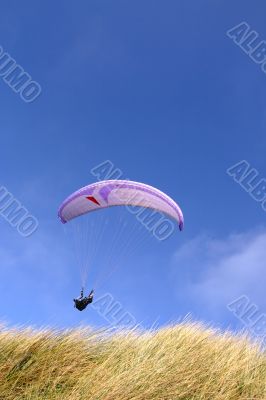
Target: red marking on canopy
91, 198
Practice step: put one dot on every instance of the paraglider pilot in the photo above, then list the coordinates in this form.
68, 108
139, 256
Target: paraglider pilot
82, 302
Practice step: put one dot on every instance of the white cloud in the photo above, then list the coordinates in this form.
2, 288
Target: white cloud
216, 271
34, 272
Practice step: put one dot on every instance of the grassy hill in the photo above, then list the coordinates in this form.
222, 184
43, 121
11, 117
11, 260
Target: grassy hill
185, 361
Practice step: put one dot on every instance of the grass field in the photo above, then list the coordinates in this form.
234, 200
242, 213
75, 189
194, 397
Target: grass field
185, 361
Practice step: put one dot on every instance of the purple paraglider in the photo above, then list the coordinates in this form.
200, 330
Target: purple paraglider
118, 193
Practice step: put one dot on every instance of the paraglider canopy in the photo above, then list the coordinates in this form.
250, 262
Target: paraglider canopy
118, 193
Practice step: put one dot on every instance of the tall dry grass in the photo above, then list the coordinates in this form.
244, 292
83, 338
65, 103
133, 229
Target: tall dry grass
185, 361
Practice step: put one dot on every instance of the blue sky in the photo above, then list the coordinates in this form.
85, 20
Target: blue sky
159, 89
